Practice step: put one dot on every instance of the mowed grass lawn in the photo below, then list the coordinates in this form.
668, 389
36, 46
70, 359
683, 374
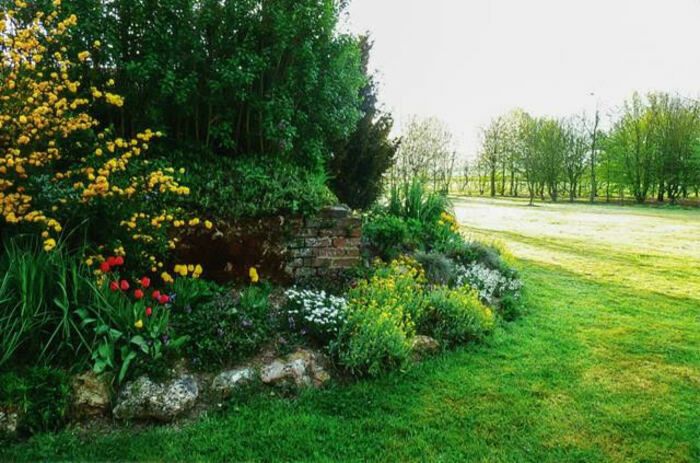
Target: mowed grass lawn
605, 367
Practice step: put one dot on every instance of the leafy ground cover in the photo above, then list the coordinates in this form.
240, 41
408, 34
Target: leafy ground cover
605, 366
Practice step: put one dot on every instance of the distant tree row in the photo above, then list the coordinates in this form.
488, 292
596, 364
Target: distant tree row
652, 149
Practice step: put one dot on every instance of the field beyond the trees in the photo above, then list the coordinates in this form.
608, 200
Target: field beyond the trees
604, 367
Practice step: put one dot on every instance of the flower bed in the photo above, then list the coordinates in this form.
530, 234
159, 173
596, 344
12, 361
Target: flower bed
104, 312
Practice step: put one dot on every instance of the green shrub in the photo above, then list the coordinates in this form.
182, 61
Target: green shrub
456, 316
373, 340
380, 319
41, 396
262, 187
470, 252
191, 292
387, 235
511, 307
415, 218
439, 269
228, 328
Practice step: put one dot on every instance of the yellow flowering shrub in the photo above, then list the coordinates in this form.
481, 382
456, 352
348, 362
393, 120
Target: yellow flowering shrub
381, 318
58, 167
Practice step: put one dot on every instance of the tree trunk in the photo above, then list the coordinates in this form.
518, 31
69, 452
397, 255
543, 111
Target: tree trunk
594, 186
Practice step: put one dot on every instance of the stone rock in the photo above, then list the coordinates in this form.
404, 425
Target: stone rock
143, 399
303, 368
335, 212
90, 396
424, 346
9, 419
227, 382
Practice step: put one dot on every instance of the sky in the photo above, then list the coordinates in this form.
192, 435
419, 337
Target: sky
468, 61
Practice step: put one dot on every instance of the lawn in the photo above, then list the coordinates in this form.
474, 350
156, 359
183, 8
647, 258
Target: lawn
604, 367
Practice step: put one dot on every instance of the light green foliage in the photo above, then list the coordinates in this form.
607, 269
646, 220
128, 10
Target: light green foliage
651, 150
414, 218
381, 315
456, 316
387, 236
413, 200
373, 341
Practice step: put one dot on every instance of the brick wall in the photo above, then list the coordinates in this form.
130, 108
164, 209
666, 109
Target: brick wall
325, 245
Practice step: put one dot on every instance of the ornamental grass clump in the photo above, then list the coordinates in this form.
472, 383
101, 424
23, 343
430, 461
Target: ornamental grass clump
40, 293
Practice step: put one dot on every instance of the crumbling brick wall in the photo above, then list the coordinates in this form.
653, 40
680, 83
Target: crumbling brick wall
325, 245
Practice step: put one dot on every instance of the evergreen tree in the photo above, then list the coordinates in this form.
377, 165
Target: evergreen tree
358, 165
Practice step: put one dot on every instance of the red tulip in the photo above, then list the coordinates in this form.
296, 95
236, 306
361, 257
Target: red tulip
124, 285
119, 260
105, 267
156, 295
138, 294
111, 261
145, 282
149, 311
114, 286
164, 299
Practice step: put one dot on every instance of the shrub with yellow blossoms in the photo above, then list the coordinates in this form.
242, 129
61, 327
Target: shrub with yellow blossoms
58, 168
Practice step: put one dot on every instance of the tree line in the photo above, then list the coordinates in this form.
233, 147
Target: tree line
650, 150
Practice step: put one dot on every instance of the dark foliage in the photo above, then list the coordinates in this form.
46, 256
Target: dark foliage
41, 397
358, 165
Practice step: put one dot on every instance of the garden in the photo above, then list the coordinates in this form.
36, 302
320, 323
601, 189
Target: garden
172, 240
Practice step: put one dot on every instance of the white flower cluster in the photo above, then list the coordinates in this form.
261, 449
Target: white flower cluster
491, 284
316, 310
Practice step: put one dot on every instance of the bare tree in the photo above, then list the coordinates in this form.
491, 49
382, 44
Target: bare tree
492, 149
575, 152
426, 153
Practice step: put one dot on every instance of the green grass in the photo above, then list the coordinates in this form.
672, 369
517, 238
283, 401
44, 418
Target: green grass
605, 367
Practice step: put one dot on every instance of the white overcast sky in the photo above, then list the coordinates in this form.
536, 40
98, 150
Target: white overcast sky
466, 61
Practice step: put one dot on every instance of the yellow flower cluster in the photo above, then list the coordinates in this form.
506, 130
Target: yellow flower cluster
39, 105
395, 292
184, 270
449, 219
